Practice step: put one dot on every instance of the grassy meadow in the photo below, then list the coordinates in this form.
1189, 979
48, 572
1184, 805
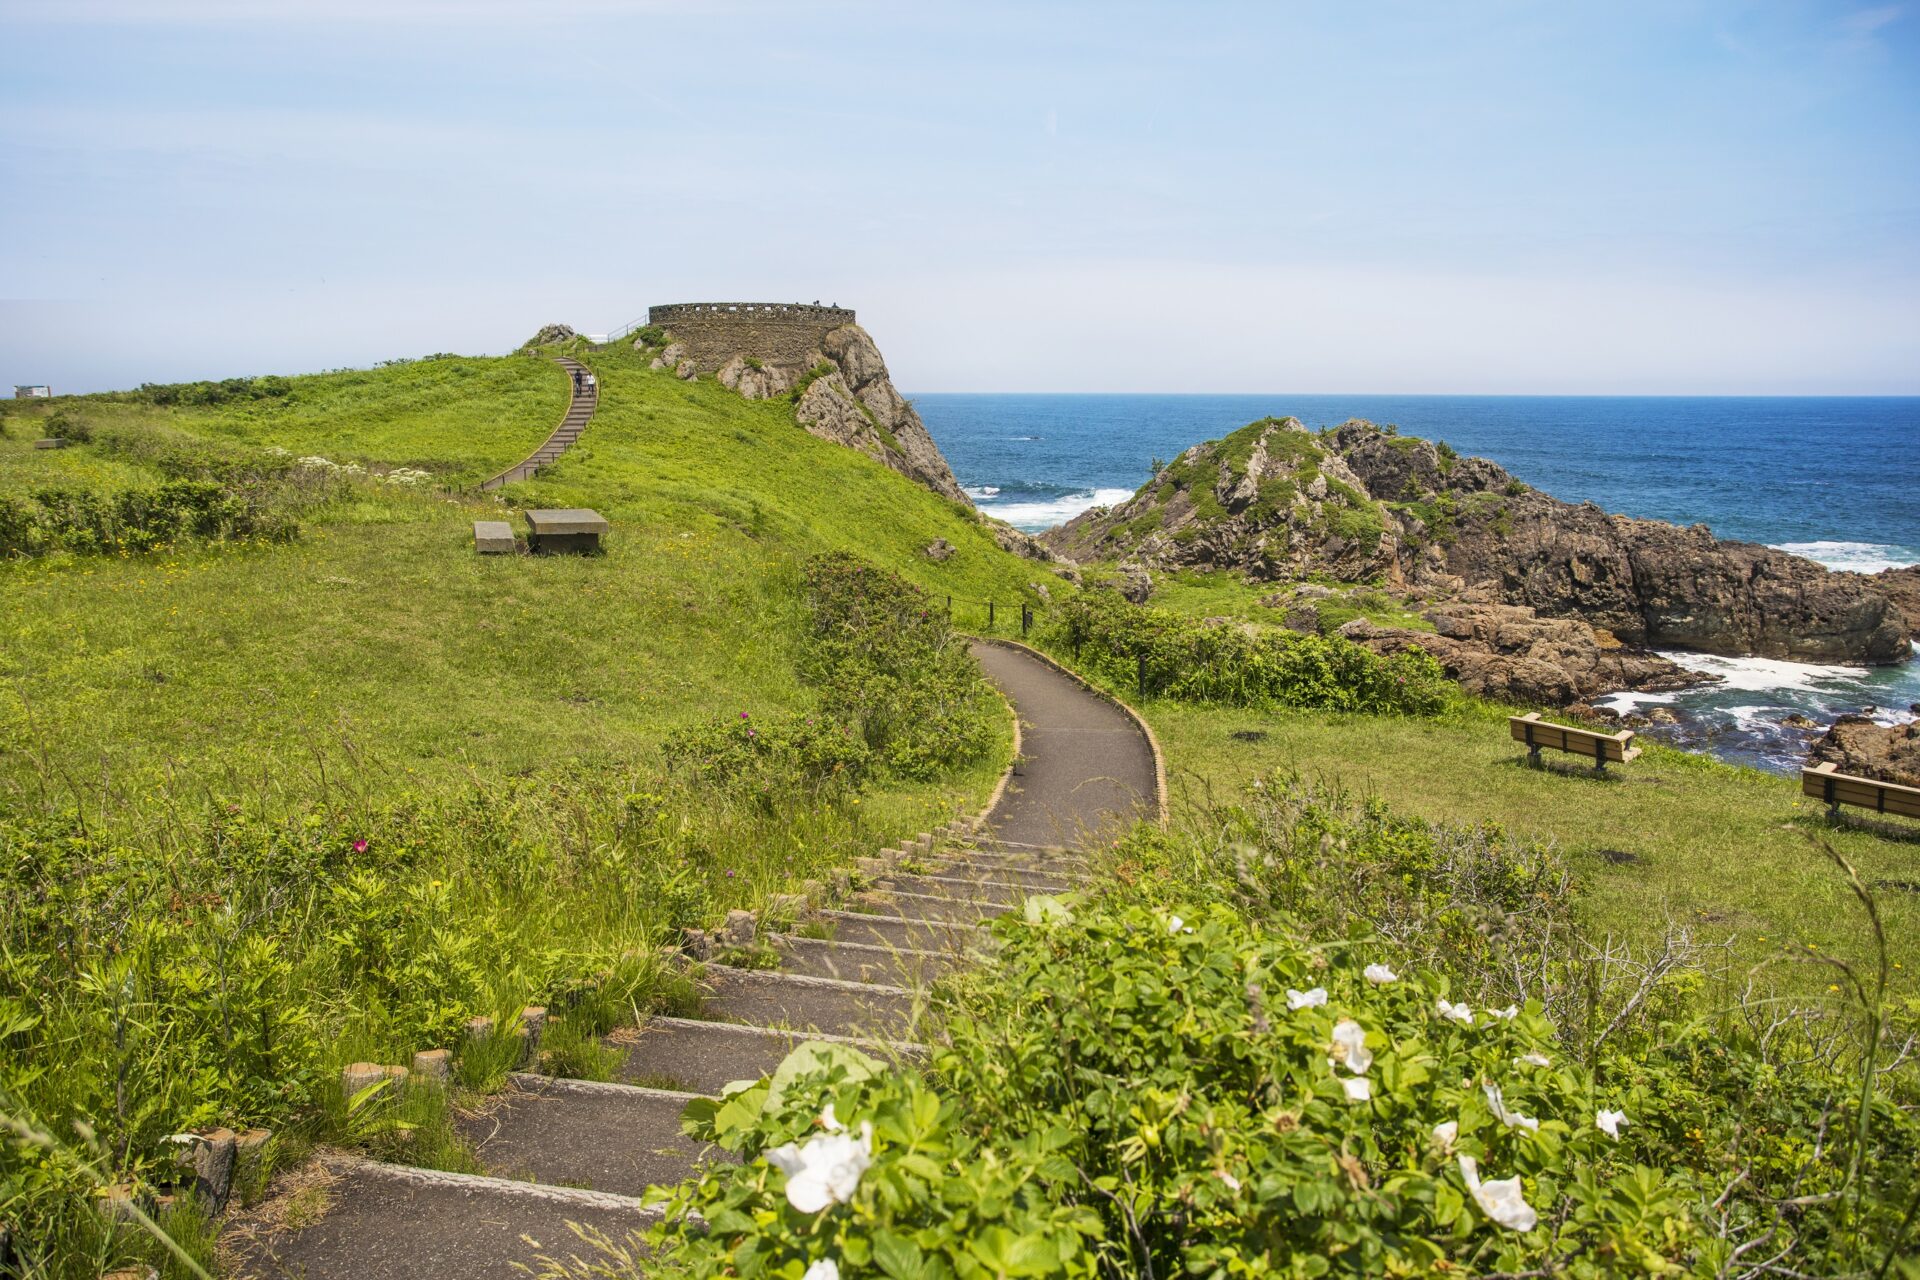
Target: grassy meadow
347, 788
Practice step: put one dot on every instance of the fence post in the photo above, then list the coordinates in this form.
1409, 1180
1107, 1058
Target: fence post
1026, 620
949, 605
1140, 675
989, 615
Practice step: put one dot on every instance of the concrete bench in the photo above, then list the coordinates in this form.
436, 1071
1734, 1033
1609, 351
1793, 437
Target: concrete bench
567, 529
1825, 782
1602, 748
493, 538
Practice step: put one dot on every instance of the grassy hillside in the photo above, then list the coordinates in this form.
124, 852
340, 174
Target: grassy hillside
380, 630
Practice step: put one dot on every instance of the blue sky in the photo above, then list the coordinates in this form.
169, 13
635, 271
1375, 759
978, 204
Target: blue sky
1677, 197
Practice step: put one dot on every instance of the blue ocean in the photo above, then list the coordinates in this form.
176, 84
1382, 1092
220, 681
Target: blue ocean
1834, 479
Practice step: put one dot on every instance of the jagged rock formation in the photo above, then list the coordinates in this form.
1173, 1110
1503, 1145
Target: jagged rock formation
1274, 500
1902, 586
820, 358
1267, 500
1857, 745
549, 334
1509, 653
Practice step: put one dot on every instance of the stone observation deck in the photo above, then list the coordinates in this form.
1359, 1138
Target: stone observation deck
783, 333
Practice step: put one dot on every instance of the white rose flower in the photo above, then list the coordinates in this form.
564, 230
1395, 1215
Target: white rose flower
1536, 1059
1350, 1046
1502, 1199
1460, 1013
1511, 1012
826, 1170
1446, 1133
1359, 1088
825, 1269
1173, 925
1512, 1119
1609, 1122
1306, 999
1379, 975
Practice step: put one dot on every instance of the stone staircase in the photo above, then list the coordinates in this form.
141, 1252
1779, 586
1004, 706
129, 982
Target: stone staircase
586, 398
559, 1151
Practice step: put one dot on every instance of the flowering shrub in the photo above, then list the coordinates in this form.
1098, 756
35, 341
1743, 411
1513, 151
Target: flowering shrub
1190, 660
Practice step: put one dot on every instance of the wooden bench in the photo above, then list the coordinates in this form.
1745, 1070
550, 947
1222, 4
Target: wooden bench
567, 529
1539, 735
1824, 782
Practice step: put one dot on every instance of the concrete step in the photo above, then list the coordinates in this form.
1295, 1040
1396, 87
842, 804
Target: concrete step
995, 892
579, 1133
391, 1222
919, 906
858, 961
941, 937
764, 998
705, 1057
993, 872
1016, 856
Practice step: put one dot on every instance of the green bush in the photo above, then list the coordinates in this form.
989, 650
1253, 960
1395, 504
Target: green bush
98, 522
1192, 661
772, 759
888, 662
205, 394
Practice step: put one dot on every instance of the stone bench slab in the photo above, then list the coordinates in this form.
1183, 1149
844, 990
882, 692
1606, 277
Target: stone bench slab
493, 538
566, 520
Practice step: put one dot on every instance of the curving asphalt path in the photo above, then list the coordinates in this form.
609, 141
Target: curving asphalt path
1084, 763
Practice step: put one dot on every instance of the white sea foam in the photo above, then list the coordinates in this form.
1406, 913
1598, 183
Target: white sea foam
984, 491
1627, 702
1855, 557
1767, 675
1035, 516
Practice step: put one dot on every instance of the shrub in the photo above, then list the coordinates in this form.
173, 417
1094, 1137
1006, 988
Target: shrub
225, 391
92, 521
772, 759
889, 663
1192, 661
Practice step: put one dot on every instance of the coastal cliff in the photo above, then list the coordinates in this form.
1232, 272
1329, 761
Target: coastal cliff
819, 358
1274, 501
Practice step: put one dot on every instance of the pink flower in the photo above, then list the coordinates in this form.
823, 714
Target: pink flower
359, 846
743, 715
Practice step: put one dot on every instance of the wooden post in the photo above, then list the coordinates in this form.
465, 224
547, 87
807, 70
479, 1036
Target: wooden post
1026, 619
989, 615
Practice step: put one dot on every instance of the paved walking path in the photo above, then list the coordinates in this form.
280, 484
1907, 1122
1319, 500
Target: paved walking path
1085, 759
586, 398
557, 1152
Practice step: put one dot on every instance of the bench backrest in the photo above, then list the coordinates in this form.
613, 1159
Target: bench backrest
1824, 782
1535, 732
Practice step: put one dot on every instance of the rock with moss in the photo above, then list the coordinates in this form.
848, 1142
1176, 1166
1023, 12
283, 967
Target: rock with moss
1267, 501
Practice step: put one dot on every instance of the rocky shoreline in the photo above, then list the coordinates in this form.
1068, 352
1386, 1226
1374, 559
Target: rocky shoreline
1532, 600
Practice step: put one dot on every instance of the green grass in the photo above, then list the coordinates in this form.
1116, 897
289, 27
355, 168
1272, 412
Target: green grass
464, 418
1202, 594
1726, 850
382, 635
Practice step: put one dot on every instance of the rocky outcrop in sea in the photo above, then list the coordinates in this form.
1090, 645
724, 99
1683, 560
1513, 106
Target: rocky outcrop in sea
1275, 501
1858, 745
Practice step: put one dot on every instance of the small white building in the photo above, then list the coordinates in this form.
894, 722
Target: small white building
32, 393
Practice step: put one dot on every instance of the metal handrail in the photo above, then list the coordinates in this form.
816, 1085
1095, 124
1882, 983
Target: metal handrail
625, 329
